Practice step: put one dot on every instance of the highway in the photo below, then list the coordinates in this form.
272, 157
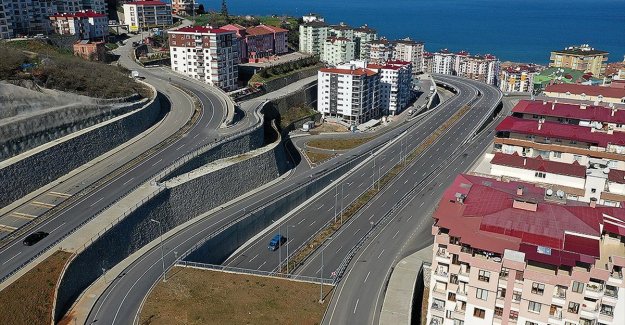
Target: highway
15, 255
121, 301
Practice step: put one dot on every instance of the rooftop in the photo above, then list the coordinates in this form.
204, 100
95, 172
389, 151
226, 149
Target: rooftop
200, 30
80, 14
555, 130
570, 111
355, 72
581, 50
315, 24
606, 92
539, 164
493, 217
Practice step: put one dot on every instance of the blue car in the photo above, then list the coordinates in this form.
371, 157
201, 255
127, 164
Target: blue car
276, 242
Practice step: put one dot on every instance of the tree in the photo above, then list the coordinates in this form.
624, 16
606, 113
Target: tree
224, 8
200, 10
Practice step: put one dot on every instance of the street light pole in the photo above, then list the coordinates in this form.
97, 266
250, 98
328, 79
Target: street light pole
287, 247
342, 199
336, 194
162, 249
321, 286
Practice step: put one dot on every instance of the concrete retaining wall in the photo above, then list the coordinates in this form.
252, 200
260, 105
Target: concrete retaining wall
32, 172
172, 207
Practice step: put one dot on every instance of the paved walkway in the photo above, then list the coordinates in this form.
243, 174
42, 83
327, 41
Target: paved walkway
397, 307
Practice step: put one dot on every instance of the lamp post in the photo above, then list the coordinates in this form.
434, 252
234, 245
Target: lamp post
279, 248
162, 250
287, 247
342, 199
336, 194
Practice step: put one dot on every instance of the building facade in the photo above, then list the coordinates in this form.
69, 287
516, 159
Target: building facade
380, 51
363, 36
84, 24
312, 37
337, 50
395, 85
205, 54
350, 92
410, 51
312, 17
140, 15
518, 78
182, 7
99, 6
6, 19
511, 252
597, 94
584, 58
92, 51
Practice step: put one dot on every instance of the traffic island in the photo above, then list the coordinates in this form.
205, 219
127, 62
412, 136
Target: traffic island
197, 296
29, 300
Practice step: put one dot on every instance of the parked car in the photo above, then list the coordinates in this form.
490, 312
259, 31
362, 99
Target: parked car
276, 242
34, 238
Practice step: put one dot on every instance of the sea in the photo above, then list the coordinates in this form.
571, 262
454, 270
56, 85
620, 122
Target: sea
513, 30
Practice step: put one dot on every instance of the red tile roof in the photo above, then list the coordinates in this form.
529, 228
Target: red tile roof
356, 72
258, 30
274, 29
147, 3
200, 30
606, 92
487, 220
571, 111
539, 164
616, 176
555, 130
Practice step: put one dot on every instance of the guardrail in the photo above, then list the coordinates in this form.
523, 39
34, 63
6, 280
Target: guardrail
231, 269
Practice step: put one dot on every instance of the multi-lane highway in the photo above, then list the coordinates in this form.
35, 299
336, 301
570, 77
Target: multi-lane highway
15, 255
120, 303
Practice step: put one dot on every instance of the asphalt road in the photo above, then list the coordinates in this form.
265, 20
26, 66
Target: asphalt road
15, 255
121, 301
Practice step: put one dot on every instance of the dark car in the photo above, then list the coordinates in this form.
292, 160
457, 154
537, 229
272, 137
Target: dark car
34, 238
276, 242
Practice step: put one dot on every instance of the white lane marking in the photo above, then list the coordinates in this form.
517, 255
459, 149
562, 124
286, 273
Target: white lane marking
409, 218
330, 209
59, 226
383, 204
96, 202
255, 256
7, 261
265, 262
422, 203
406, 182
128, 181
381, 253
357, 300
195, 136
301, 221
373, 215
357, 231
154, 164
321, 206
339, 249
312, 223
396, 234
367, 276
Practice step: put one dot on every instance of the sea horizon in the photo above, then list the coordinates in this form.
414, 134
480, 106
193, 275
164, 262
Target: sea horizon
513, 30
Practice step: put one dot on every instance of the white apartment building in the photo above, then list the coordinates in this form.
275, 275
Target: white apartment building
380, 51
85, 24
409, 51
206, 54
363, 36
341, 31
515, 253
443, 62
337, 50
140, 15
312, 37
349, 92
312, 17
395, 85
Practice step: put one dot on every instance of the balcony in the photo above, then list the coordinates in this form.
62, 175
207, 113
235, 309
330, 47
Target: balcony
607, 311
438, 305
594, 290
611, 291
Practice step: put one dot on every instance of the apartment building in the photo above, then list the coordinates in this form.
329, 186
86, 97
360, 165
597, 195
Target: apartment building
312, 37
514, 253
350, 92
583, 57
99, 6
337, 50
140, 15
71, 6
240, 34
259, 42
442, 62
380, 51
341, 31
482, 68
207, 54
84, 24
409, 51
596, 94
183, 7
6, 19
575, 149
363, 36
27, 17
518, 78
395, 85
312, 17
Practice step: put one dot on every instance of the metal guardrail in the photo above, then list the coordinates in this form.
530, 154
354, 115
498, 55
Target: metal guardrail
224, 268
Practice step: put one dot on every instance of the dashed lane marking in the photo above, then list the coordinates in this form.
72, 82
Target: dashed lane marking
59, 194
7, 228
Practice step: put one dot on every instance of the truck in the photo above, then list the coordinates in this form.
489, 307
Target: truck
308, 126
134, 74
276, 242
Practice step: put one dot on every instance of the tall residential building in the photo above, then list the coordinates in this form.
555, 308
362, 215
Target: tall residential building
341, 30
337, 50
259, 42
482, 68
380, 51
395, 85
71, 6
578, 149
6, 19
29, 17
442, 62
597, 94
514, 253
312, 36
209, 55
410, 51
584, 58
182, 7
140, 15
363, 36
350, 92
99, 6
518, 78
84, 24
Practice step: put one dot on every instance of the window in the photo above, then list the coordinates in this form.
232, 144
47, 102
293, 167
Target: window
480, 313
538, 288
540, 175
451, 296
518, 276
481, 294
557, 154
578, 287
501, 293
514, 314
607, 310
504, 272
498, 311
516, 296
534, 306
483, 276
573, 307
530, 323
458, 322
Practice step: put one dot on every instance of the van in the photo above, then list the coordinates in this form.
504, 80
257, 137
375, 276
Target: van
276, 242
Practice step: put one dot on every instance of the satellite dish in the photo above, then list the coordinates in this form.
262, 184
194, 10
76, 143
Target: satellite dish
606, 170
549, 192
560, 193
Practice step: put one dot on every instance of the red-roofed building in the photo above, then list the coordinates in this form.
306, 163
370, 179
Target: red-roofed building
260, 42
582, 114
207, 54
511, 252
141, 15
596, 94
85, 24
